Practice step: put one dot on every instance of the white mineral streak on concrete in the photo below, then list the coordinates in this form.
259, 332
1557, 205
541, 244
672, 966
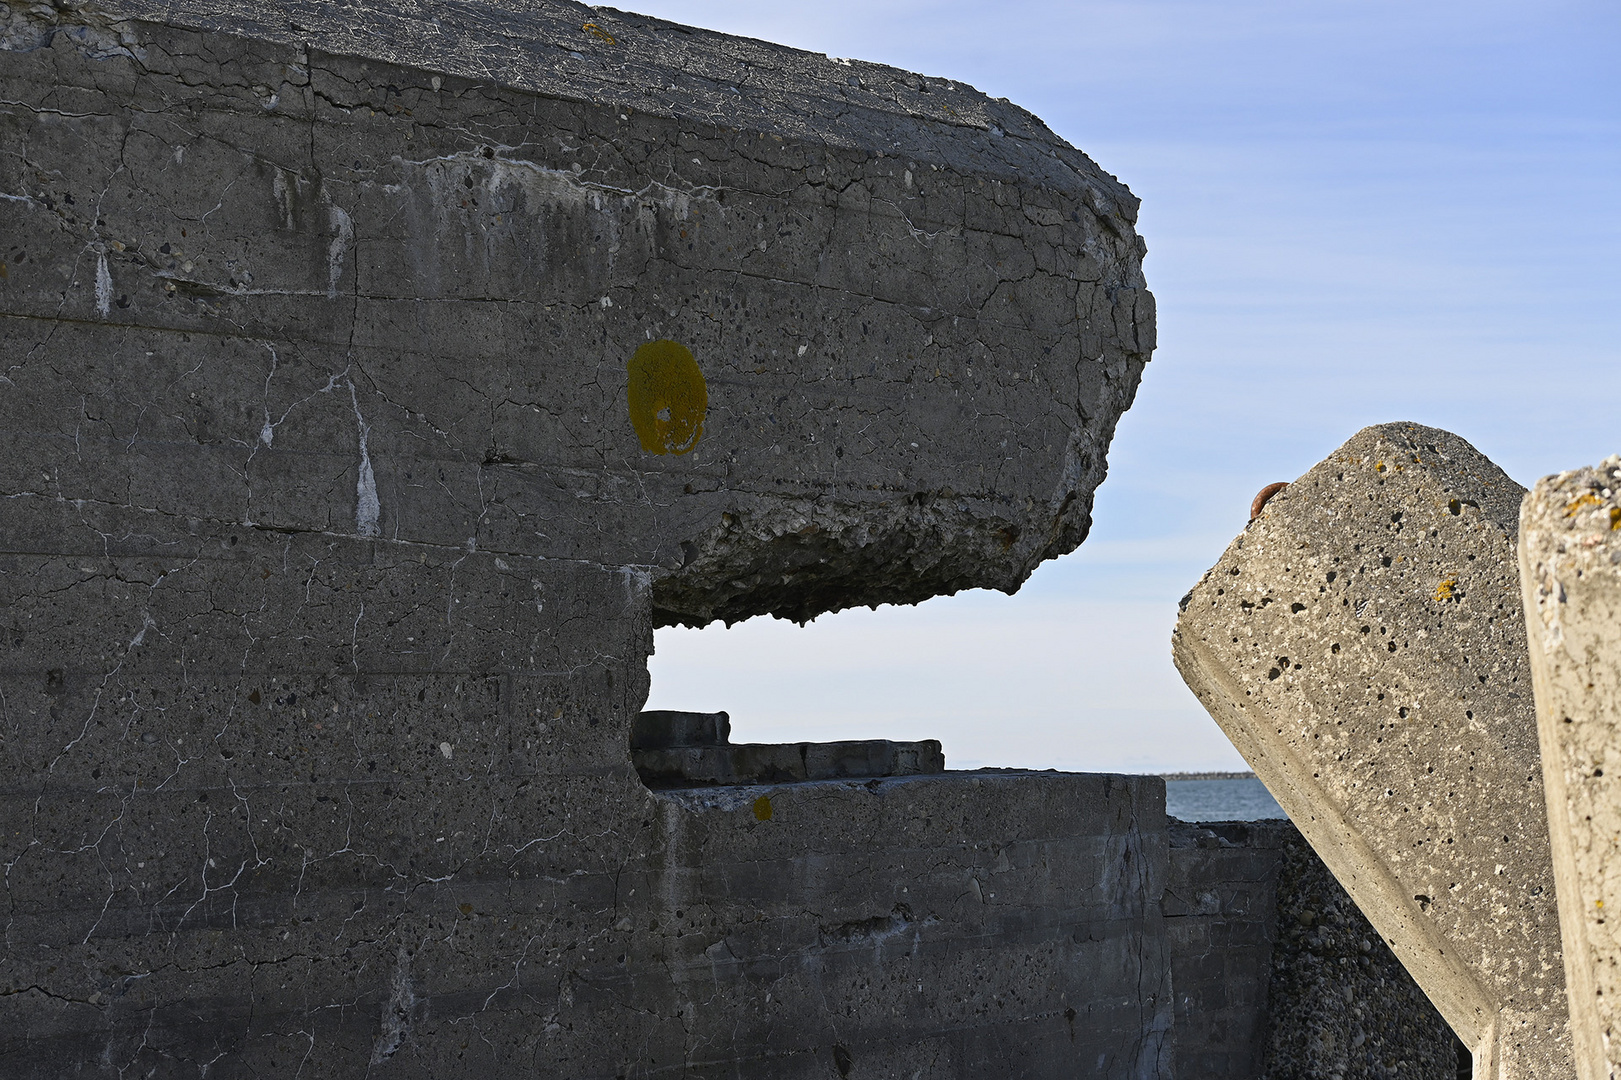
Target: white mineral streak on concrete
440, 186
147, 623
367, 507
283, 196
267, 433
638, 581
543, 187
1570, 573
104, 284
396, 1024
343, 234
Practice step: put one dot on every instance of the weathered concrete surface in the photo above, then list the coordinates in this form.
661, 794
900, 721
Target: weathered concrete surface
1570, 570
947, 950
1363, 646
454, 249
1276, 973
376, 377
1221, 921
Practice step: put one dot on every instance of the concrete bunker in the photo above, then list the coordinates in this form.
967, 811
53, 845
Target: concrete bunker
340, 511
337, 532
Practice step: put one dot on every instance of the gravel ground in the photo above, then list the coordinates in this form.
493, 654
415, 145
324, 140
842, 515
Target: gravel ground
1353, 1012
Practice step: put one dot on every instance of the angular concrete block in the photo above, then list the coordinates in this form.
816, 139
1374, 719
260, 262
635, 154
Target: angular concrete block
1362, 644
1036, 949
664, 729
872, 757
1570, 569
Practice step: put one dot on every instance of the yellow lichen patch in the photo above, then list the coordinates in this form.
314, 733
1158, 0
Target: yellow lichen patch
1589, 499
599, 33
668, 398
762, 808
1615, 518
1444, 590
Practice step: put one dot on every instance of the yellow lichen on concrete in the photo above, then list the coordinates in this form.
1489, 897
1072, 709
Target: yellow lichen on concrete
1588, 499
667, 396
1443, 591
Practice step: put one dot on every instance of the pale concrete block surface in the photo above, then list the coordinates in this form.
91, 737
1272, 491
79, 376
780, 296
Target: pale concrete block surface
1570, 570
1361, 644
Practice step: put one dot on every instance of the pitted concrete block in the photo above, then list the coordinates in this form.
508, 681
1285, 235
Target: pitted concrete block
1570, 568
1362, 644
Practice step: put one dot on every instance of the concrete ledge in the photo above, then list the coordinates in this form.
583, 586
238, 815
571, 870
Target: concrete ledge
774, 763
663, 729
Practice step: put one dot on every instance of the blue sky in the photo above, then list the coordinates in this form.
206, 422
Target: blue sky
1355, 211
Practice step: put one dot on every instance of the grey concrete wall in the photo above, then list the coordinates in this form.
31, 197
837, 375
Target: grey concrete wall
1570, 570
1277, 974
1221, 920
995, 924
345, 481
1362, 645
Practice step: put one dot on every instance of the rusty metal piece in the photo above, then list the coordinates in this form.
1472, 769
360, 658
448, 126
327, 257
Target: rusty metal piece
1265, 494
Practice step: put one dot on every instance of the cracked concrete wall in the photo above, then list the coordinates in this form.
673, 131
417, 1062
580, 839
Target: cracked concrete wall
332, 540
1362, 644
1570, 575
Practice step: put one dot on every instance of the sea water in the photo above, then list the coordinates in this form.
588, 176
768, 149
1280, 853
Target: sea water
1243, 799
